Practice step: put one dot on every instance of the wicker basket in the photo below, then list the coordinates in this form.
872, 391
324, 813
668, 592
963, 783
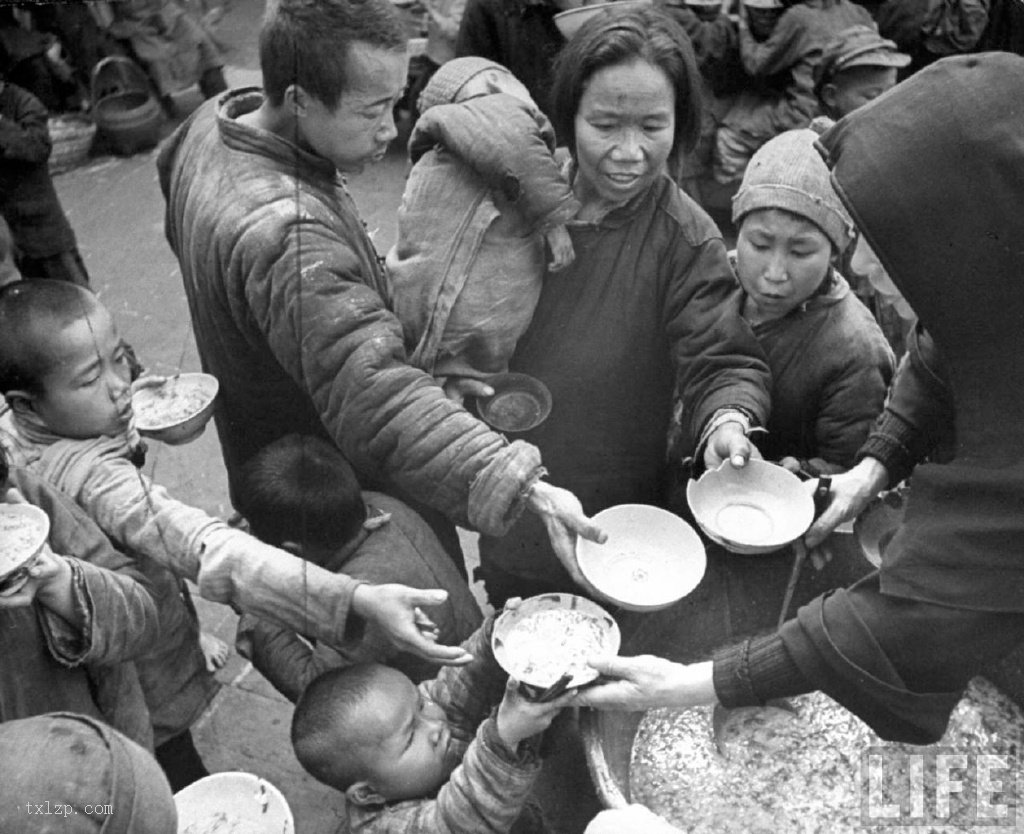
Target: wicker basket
71, 137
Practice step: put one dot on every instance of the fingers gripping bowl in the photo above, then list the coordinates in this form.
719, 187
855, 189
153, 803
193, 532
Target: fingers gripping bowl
177, 410
757, 508
24, 529
551, 635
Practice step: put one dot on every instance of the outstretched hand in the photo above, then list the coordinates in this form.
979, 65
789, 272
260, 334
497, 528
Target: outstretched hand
850, 493
646, 682
564, 520
397, 610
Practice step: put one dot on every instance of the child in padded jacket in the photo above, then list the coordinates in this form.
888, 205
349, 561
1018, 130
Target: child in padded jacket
831, 365
484, 193
433, 759
64, 373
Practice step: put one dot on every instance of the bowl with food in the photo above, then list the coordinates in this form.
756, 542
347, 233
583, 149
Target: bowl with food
233, 802
24, 529
174, 410
570, 21
757, 508
650, 560
547, 640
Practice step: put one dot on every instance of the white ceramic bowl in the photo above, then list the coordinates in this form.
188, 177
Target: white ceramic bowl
24, 529
549, 635
177, 411
569, 22
652, 557
757, 508
224, 803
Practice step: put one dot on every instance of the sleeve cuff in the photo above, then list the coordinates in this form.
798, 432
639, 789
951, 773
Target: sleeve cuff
68, 644
756, 670
891, 443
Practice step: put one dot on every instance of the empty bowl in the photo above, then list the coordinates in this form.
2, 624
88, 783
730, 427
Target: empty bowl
757, 508
652, 558
233, 803
177, 410
520, 402
570, 21
24, 529
548, 636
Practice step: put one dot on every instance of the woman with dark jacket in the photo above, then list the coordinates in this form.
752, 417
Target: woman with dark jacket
642, 313
932, 175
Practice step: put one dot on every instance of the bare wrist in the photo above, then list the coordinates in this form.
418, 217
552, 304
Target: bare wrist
873, 473
692, 685
363, 600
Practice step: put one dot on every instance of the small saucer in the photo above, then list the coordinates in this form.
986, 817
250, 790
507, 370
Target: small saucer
519, 403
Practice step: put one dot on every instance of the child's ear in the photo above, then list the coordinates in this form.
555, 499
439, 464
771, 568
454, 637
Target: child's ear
21, 402
362, 793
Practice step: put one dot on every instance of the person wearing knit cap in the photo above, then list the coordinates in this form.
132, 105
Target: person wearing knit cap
858, 65
830, 363
931, 175
70, 773
484, 194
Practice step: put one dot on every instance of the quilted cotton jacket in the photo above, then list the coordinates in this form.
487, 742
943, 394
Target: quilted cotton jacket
489, 791
48, 666
228, 565
464, 281
284, 288
831, 368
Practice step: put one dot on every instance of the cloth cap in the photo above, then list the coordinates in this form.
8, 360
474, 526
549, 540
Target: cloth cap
858, 46
445, 84
94, 778
788, 173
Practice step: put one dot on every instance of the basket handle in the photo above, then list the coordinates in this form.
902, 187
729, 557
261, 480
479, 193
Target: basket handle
127, 71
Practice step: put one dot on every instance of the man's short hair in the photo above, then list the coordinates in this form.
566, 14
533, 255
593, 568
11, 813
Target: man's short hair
30, 312
301, 489
307, 42
321, 719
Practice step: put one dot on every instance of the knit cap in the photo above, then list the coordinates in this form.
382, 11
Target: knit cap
443, 87
788, 173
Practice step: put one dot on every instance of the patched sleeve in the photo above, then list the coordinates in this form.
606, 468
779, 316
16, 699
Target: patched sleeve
119, 617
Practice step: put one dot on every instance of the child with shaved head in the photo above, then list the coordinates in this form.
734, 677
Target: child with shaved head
65, 376
430, 758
